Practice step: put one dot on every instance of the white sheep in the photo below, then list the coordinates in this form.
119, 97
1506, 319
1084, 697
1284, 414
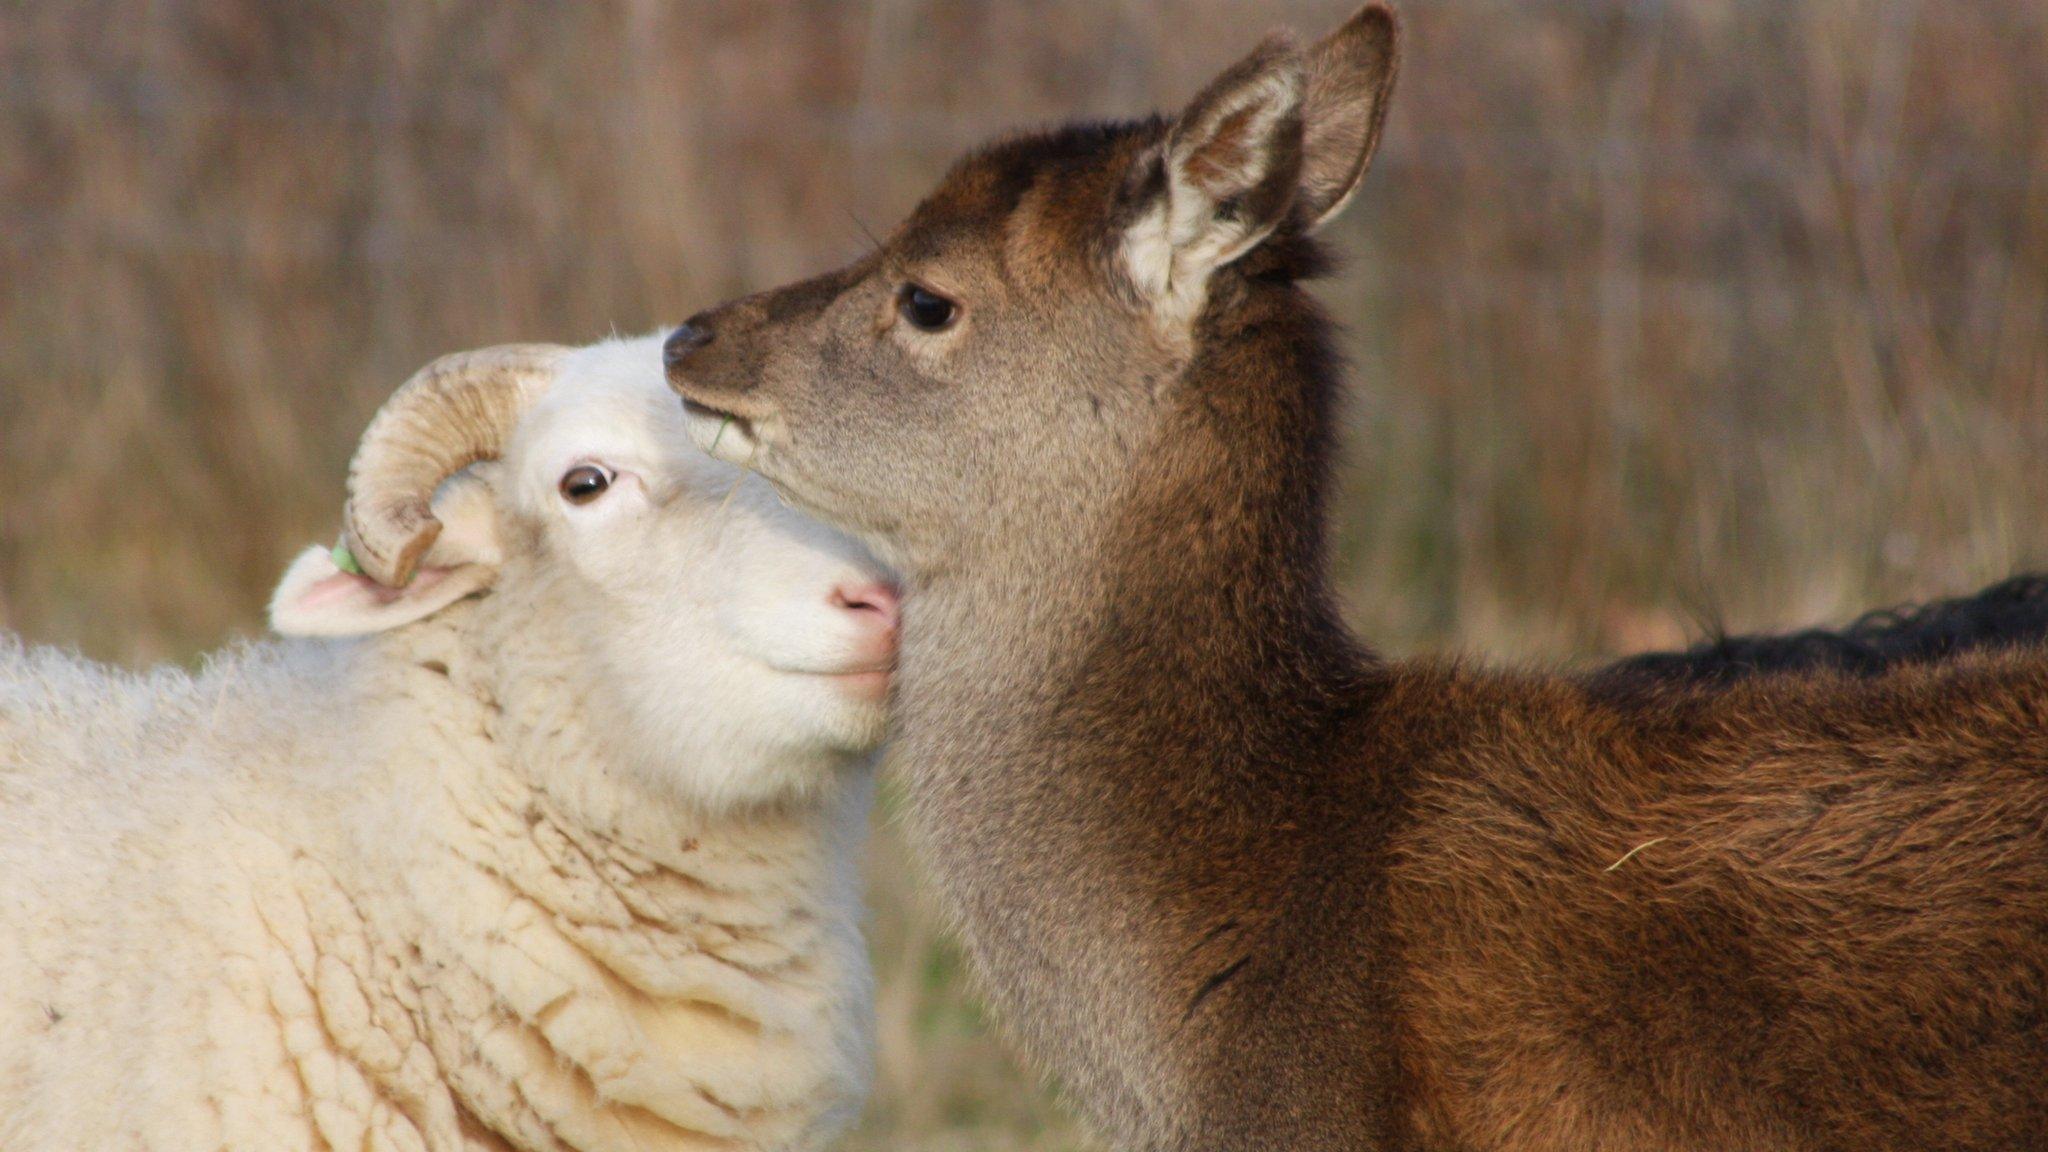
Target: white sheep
567, 865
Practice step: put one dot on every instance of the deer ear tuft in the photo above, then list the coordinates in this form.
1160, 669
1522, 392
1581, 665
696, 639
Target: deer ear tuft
1230, 164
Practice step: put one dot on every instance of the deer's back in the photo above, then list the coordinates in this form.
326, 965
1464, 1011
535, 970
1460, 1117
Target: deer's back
1801, 913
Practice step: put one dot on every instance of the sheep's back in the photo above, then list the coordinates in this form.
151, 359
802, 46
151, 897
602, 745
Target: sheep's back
146, 825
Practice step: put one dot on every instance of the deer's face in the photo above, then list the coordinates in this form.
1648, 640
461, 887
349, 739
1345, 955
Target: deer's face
977, 352
1015, 343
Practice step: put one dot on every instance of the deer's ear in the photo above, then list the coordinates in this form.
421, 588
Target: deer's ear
1350, 82
1222, 180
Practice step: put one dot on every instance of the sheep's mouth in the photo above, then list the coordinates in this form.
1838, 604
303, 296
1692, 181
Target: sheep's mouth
866, 685
830, 670
863, 685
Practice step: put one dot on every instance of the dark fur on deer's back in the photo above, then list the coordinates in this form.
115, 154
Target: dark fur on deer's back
2012, 613
1243, 884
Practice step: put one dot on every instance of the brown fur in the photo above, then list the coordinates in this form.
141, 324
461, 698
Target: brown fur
1241, 884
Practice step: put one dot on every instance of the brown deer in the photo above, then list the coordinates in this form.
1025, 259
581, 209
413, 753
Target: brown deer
1239, 882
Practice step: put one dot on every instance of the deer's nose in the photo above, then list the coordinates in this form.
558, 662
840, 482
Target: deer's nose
681, 343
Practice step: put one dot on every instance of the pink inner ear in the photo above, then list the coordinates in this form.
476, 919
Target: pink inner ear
343, 586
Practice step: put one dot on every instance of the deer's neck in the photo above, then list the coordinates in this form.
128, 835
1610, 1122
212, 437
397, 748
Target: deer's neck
1100, 727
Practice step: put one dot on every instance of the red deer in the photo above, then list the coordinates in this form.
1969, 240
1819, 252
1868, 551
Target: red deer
1238, 881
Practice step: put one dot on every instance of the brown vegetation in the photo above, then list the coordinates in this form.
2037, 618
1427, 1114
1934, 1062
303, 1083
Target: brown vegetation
1734, 309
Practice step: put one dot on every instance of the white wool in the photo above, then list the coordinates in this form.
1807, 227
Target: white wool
517, 874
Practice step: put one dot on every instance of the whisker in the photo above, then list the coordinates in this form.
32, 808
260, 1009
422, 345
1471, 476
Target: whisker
874, 243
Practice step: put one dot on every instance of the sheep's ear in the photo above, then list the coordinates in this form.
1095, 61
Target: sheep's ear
1221, 181
319, 597
1350, 84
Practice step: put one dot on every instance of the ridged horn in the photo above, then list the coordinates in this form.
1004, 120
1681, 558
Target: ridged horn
452, 413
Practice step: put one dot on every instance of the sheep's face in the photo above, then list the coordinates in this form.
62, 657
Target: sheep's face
743, 637
739, 651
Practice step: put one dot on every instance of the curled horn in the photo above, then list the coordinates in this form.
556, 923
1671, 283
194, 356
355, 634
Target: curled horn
452, 413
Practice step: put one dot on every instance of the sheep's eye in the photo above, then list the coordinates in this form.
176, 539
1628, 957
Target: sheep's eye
584, 483
927, 311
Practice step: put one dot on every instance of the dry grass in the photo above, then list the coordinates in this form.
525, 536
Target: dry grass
1664, 313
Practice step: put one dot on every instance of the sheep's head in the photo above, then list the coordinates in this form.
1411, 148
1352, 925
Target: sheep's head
735, 641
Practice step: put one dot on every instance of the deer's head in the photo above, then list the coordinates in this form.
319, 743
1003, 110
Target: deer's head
1017, 343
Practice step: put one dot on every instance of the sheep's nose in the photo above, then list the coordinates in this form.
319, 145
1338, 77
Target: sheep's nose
681, 343
875, 610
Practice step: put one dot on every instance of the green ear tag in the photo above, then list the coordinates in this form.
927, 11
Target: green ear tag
345, 560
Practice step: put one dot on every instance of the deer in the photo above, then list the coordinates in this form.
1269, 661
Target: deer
1237, 880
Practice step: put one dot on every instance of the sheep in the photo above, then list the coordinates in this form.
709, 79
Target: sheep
567, 865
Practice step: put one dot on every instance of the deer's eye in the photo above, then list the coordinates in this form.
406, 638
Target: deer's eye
926, 310
584, 483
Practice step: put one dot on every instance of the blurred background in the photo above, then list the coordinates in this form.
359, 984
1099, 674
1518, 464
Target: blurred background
1664, 316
